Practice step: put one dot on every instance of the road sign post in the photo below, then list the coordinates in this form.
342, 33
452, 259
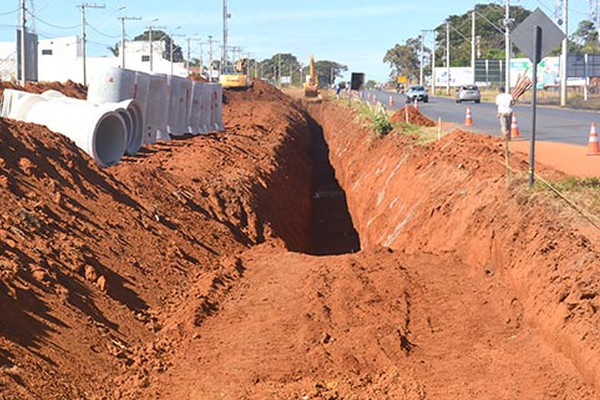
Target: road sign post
546, 36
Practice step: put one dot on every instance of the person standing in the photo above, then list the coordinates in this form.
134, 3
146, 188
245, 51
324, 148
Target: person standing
504, 102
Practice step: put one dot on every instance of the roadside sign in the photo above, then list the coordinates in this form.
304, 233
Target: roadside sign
546, 36
402, 79
522, 35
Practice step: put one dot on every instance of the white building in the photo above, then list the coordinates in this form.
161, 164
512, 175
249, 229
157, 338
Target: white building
60, 59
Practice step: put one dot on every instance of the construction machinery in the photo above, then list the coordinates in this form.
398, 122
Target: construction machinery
236, 76
311, 86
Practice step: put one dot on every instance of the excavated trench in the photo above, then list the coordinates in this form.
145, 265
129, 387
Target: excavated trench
331, 229
413, 272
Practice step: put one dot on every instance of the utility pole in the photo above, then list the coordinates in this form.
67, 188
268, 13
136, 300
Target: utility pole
473, 45
23, 50
563, 55
421, 59
279, 69
226, 16
83, 6
123, 19
447, 58
433, 77
507, 45
210, 57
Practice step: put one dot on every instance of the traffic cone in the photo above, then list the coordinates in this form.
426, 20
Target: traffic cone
514, 128
593, 149
468, 118
391, 101
416, 104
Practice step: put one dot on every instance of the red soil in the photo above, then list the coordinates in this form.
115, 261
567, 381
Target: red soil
68, 88
413, 115
170, 275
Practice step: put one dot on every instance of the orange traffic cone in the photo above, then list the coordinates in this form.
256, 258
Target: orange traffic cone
514, 128
416, 104
391, 101
468, 118
593, 149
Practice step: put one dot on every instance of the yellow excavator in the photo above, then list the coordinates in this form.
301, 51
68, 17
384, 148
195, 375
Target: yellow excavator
236, 76
311, 86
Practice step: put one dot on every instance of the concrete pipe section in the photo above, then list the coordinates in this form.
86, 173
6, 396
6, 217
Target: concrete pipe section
216, 106
141, 94
195, 111
100, 133
118, 86
206, 109
158, 107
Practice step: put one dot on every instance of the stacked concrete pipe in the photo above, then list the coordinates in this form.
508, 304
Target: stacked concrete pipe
99, 132
123, 110
157, 108
118, 85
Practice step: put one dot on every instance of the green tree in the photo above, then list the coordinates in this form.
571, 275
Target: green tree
585, 38
328, 71
404, 59
489, 30
269, 68
370, 84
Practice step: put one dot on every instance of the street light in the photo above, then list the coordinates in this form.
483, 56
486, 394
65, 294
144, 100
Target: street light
150, 40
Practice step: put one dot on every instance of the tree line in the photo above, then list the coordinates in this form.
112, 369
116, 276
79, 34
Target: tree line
404, 58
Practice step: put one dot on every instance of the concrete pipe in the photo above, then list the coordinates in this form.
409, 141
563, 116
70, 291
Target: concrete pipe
184, 105
195, 111
179, 96
216, 120
158, 107
116, 85
141, 94
129, 110
111, 85
101, 134
205, 108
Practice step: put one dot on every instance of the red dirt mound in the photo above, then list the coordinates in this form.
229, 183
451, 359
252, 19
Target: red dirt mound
68, 88
414, 117
451, 197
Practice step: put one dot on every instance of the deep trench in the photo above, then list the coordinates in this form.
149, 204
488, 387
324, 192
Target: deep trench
332, 231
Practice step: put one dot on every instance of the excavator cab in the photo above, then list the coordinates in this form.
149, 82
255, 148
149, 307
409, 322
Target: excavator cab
236, 76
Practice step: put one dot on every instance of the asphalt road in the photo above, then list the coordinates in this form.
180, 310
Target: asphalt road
553, 124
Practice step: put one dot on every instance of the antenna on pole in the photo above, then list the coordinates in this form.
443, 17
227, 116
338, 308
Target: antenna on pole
22, 36
83, 6
226, 16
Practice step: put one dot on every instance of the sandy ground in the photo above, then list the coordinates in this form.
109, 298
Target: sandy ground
295, 256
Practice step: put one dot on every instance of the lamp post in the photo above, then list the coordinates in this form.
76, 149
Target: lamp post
150, 28
123, 19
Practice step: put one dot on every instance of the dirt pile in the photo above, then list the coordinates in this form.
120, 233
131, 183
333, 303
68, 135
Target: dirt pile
170, 275
68, 88
412, 115
100, 268
451, 197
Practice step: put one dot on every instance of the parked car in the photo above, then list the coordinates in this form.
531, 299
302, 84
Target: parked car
468, 93
416, 92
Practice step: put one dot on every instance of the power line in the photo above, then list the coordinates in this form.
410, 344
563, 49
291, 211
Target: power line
102, 33
9, 12
52, 25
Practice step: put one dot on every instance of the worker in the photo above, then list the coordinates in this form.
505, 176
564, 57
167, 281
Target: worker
338, 90
504, 102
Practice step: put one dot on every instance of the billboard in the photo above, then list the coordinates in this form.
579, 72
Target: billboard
458, 76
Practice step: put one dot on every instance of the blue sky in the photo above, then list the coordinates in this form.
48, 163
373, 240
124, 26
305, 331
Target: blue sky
353, 32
